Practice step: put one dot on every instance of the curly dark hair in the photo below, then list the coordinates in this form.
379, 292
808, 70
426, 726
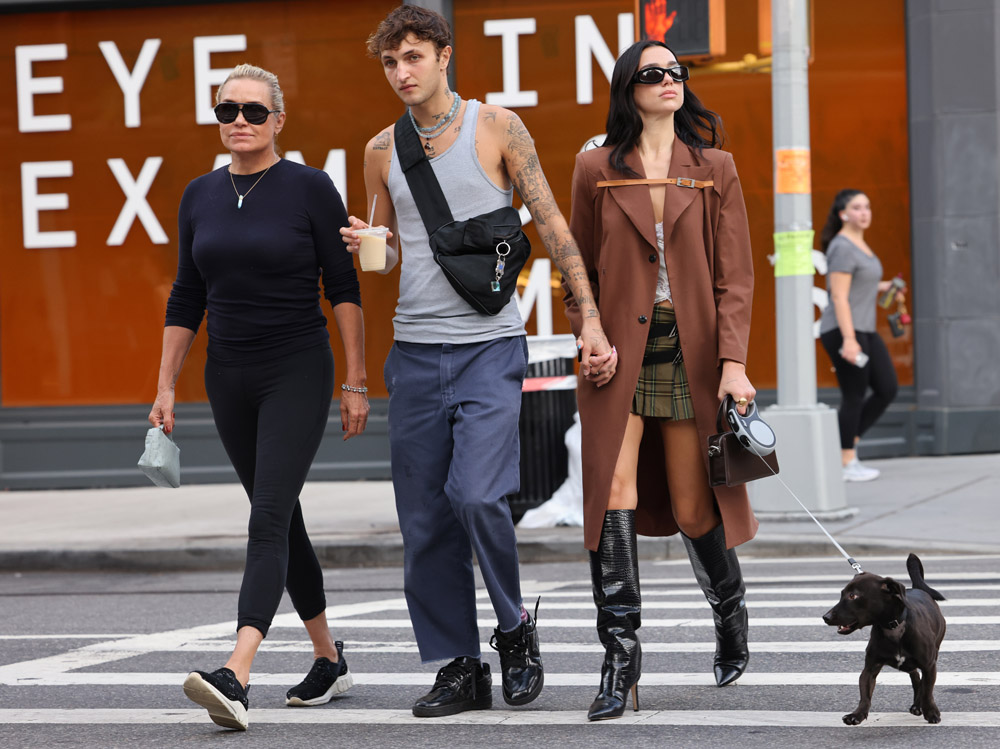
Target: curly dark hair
694, 124
425, 25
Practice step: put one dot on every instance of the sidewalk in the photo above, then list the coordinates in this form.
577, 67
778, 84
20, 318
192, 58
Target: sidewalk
924, 505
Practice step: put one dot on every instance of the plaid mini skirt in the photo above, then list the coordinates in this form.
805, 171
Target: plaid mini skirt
662, 390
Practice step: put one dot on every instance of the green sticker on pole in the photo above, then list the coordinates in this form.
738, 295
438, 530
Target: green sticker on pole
793, 253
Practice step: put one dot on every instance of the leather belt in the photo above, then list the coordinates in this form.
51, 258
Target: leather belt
679, 181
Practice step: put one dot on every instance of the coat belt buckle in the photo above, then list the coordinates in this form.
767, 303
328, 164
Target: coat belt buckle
685, 182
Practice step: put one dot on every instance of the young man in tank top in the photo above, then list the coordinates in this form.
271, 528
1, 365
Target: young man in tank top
454, 375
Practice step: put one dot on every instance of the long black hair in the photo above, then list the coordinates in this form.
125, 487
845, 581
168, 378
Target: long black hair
833, 223
694, 124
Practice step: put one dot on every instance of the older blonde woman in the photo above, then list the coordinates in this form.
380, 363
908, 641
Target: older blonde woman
254, 239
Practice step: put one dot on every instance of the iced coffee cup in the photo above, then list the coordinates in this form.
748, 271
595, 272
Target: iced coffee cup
372, 250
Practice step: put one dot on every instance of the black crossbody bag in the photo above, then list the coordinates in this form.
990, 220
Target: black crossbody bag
481, 256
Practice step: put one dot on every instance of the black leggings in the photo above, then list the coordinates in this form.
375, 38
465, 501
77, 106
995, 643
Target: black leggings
857, 413
271, 417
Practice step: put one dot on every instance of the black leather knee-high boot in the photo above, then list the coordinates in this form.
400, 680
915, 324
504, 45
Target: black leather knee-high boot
717, 571
614, 570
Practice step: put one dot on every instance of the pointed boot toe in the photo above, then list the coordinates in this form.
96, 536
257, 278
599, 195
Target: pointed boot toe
727, 673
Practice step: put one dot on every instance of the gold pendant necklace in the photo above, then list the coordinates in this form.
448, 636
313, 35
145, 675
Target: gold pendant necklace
239, 200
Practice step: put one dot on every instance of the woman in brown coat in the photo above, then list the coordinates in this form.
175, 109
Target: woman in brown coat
659, 218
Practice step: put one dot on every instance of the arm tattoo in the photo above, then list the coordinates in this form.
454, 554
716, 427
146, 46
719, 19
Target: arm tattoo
527, 172
522, 160
382, 142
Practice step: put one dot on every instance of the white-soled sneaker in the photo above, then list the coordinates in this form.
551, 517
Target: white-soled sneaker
222, 695
324, 680
856, 471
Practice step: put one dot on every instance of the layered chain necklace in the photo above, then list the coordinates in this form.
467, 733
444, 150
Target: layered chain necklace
239, 198
439, 129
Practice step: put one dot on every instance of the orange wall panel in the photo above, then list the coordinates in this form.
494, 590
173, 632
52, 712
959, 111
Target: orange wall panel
81, 325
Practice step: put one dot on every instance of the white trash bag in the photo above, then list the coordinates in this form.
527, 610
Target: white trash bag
161, 461
565, 507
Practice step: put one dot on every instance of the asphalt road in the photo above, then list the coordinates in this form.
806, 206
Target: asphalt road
97, 661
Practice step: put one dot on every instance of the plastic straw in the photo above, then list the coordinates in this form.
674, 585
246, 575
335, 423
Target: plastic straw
372, 216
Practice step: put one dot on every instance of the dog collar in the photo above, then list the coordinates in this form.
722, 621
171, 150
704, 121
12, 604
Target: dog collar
891, 625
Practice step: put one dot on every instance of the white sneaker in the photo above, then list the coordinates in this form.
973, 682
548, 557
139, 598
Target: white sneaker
855, 471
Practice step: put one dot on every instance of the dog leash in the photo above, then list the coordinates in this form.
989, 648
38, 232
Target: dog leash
850, 560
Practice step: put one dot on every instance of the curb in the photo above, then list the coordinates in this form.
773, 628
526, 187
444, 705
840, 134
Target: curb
386, 550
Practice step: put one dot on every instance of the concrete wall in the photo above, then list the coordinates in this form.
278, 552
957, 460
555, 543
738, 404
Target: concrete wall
955, 205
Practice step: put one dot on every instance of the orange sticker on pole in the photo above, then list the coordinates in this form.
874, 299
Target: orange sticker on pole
793, 173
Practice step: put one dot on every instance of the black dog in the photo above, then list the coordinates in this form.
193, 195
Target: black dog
907, 630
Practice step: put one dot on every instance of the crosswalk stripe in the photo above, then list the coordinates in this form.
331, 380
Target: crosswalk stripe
424, 678
932, 578
525, 717
928, 559
841, 645
830, 591
588, 605
647, 623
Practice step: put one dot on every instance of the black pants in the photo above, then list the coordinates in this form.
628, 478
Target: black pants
858, 413
271, 417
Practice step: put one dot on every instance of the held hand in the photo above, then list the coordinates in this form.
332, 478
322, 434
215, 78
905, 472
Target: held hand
354, 410
592, 344
163, 411
735, 383
850, 350
598, 369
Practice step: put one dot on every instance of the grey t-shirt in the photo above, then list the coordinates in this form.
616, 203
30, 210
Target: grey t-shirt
843, 256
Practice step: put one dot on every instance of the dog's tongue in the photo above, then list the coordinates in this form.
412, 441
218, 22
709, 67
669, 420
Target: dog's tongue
844, 629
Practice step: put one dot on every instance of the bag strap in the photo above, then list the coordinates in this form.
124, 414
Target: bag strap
720, 418
679, 181
420, 178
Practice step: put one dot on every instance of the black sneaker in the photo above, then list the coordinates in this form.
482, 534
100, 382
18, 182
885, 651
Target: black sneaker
221, 693
520, 661
464, 684
324, 680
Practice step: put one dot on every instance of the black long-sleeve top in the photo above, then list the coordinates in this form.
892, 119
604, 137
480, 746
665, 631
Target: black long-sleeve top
256, 269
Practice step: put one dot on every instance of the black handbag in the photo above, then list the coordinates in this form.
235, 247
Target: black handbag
729, 462
482, 256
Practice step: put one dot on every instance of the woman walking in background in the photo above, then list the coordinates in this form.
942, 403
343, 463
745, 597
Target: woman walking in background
847, 327
255, 238
659, 217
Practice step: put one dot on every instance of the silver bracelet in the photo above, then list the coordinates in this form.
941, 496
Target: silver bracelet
349, 389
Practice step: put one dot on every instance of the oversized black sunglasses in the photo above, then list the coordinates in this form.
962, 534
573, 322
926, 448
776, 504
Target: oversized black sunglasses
255, 114
677, 73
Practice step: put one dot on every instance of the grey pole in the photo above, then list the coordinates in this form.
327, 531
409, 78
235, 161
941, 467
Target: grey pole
808, 438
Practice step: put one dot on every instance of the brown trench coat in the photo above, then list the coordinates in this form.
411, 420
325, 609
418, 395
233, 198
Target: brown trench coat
709, 264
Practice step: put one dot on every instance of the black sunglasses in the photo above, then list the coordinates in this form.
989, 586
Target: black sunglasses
677, 73
255, 114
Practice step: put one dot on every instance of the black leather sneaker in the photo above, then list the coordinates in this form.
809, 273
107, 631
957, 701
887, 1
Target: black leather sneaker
464, 684
221, 693
324, 680
520, 662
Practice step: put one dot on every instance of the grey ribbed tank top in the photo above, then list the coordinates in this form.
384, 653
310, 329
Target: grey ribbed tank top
429, 310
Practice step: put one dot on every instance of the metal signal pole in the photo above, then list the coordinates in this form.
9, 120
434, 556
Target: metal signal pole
808, 443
